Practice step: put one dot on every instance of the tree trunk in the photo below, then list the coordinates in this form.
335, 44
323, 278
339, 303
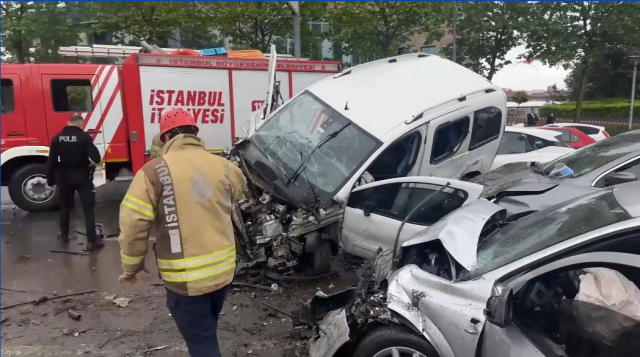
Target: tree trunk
583, 87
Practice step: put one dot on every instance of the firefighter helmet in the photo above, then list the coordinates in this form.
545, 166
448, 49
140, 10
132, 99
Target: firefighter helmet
175, 118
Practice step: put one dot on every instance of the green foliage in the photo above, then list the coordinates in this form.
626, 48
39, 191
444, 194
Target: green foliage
129, 22
486, 31
610, 76
606, 108
379, 28
39, 25
573, 33
520, 97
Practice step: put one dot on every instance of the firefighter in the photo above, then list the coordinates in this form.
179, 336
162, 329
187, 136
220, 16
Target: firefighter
156, 146
70, 167
186, 194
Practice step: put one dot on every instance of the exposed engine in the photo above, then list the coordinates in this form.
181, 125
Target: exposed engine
271, 232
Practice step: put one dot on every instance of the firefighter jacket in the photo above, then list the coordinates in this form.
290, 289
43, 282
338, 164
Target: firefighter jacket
187, 195
156, 146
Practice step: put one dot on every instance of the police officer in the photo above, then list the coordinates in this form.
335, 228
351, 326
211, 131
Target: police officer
72, 160
185, 194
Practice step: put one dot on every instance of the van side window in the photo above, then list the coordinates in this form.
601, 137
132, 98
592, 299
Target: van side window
8, 103
71, 95
398, 159
448, 139
487, 123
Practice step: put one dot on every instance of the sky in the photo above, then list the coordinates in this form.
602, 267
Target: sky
522, 76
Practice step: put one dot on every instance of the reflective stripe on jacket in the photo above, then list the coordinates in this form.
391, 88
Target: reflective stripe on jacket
186, 195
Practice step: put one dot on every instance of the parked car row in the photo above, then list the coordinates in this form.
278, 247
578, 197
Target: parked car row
514, 294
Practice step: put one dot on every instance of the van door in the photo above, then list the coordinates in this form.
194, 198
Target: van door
375, 211
14, 129
65, 95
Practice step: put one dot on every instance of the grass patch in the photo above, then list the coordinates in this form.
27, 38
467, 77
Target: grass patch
604, 108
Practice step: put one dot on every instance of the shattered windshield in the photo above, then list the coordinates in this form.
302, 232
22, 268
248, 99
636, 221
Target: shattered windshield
293, 133
546, 228
596, 155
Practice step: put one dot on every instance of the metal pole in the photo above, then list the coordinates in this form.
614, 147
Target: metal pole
633, 92
453, 32
296, 36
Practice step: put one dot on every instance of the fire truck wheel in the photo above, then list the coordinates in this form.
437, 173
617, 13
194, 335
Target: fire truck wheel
29, 191
320, 259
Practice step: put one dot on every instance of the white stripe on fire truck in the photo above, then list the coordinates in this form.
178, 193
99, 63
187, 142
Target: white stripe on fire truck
94, 84
100, 102
113, 119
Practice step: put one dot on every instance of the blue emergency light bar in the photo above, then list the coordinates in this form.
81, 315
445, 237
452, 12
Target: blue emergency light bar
218, 51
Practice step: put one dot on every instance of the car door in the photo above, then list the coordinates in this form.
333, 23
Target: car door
376, 210
14, 129
569, 316
515, 148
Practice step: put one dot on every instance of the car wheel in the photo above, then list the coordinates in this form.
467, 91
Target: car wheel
394, 341
29, 191
320, 259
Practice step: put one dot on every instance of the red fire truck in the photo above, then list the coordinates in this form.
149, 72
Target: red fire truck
122, 104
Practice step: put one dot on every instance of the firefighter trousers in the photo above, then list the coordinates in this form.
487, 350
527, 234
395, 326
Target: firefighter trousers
197, 320
87, 194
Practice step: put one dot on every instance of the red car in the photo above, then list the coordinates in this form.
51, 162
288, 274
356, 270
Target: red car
571, 136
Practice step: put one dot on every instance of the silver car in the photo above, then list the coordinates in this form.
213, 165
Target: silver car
472, 285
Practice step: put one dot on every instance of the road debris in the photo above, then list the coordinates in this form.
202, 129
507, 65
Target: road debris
155, 349
254, 286
74, 315
278, 310
111, 297
69, 252
46, 298
122, 301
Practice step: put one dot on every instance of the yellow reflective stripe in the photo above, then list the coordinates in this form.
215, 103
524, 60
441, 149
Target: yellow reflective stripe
129, 260
180, 277
138, 206
197, 261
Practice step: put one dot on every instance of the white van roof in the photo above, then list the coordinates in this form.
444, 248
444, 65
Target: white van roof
382, 94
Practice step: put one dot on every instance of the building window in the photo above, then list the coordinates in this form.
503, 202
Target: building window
319, 27
71, 95
429, 49
8, 104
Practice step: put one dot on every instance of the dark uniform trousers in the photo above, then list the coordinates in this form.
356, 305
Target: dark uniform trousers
69, 182
197, 320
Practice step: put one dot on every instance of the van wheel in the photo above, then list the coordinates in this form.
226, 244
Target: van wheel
29, 191
394, 341
320, 259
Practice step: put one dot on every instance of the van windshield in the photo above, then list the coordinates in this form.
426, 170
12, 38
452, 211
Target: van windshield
296, 129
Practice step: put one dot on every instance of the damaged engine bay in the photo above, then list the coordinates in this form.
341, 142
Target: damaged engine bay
275, 233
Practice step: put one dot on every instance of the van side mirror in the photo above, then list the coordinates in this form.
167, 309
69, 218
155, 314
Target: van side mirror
499, 310
617, 178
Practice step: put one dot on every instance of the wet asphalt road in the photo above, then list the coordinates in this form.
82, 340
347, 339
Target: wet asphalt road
247, 328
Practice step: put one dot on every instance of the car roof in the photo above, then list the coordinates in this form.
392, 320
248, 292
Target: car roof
627, 196
541, 133
580, 124
378, 96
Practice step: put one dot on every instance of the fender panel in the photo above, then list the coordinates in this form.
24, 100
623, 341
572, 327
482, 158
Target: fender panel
18, 151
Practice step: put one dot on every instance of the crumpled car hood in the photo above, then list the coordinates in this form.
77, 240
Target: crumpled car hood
460, 231
516, 176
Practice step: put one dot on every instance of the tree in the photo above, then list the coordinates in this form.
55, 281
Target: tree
486, 31
253, 25
33, 31
130, 22
379, 28
573, 34
556, 95
520, 97
610, 76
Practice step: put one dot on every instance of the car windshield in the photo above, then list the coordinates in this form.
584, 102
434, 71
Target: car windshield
546, 228
297, 128
592, 157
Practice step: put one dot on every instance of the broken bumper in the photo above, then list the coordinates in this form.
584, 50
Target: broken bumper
333, 334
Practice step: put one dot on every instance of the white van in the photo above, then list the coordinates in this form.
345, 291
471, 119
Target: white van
405, 116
